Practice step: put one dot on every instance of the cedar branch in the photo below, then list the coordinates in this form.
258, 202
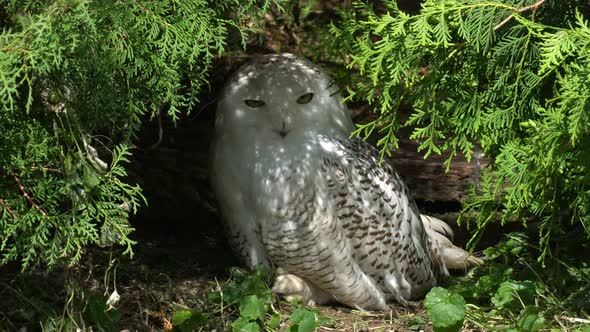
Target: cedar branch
46, 169
9, 210
534, 7
27, 196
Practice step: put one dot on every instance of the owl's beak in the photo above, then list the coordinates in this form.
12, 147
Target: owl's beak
284, 131
282, 122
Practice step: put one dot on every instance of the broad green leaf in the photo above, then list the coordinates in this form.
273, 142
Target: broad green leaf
231, 294
213, 297
98, 313
274, 322
510, 291
179, 317
90, 178
309, 323
251, 307
251, 327
305, 320
299, 314
188, 320
445, 310
530, 320
242, 324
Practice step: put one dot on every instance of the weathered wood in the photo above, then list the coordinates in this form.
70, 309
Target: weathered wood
427, 178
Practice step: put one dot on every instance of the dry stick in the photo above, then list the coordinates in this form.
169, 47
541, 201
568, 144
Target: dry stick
9, 210
160, 134
572, 319
14, 49
47, 169
27, 196
519, 10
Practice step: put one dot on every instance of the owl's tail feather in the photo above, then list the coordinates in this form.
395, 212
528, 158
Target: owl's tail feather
438, 226
441, 236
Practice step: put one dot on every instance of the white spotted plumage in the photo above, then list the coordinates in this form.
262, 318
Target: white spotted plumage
296, 193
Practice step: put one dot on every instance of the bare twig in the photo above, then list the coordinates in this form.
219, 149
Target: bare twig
14, 49
93, 157
9, 210
160, 134
46, 169
534, 6
27, 196
145, 10
572, 319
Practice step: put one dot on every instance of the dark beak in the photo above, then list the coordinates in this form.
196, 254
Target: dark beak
283, 132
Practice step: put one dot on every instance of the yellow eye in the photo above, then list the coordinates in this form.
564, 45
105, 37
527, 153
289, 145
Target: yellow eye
304, 99
254, 103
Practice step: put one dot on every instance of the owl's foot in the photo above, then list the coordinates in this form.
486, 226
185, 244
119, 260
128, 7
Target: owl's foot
441, 236
292, 287
458, 259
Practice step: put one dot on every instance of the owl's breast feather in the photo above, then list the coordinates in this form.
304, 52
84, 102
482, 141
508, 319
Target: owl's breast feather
284, 173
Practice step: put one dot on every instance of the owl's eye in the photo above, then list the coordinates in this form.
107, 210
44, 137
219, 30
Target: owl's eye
254, 103
304, 99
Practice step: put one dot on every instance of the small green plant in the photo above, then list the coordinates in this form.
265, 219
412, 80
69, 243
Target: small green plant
100, 315
514, 292
251, 305
303, 320
188, 320
416, 323
446, 310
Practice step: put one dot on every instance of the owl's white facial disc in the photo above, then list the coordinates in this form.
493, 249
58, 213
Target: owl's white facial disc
281, 96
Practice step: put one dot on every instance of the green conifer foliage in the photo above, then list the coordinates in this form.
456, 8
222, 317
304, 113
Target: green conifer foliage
511, 76
76, 79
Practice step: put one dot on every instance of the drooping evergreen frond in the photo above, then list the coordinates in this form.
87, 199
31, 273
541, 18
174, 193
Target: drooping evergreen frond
502, 75
76, 80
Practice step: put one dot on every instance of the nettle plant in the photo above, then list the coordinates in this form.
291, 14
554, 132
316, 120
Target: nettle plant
507, 78
76, 79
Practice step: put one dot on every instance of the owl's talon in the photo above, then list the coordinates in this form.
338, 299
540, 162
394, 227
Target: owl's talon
292, 288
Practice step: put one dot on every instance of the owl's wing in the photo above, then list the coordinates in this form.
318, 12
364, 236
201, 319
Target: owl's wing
382, 222
240, 224
313, 256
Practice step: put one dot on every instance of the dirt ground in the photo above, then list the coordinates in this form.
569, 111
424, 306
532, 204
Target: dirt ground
171, 272
175, 268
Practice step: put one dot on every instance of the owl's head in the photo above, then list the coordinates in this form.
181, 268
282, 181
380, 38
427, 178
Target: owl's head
282, 95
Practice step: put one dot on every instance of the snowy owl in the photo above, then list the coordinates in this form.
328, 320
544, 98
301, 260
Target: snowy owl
296, 193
